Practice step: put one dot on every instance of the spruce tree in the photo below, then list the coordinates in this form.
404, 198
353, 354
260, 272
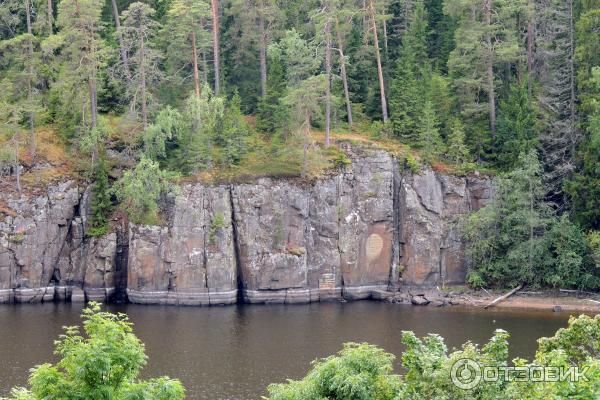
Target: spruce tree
517, 127
412, 69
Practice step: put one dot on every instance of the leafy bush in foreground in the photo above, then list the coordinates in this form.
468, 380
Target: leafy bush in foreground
102, 364
364, 372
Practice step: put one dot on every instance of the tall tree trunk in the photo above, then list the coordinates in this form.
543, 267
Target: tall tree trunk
122, 51
142, 62
571, 62
305, 147
50, 11
216, 47
530, 40
343, 72
204, 67
32, 144
16, 160
490, 68
378, 59
262, 49
328, 75
195, 64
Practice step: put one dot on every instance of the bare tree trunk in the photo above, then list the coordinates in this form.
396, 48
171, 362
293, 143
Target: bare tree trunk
343, 73
530, 40
490, 68
50, 12
571, 61
262, 49
122, 52
216, 51
195, 64
203, 56
17, 170
328, 75
204, 67
32, 144
385, 39
305, 148
378, 59
143, 82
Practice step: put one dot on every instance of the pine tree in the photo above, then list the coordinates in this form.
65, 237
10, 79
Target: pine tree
484, 41
187, 36
81, 52
137, 33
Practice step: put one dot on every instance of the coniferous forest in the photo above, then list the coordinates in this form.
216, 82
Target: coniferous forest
136, 95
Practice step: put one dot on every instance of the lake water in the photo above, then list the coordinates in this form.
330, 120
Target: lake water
235, 352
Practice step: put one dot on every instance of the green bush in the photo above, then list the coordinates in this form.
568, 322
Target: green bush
363, 371
516, 238
101, 203
102, 363
140, 189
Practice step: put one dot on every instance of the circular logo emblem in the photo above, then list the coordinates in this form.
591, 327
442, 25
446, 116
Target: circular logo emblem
465, 374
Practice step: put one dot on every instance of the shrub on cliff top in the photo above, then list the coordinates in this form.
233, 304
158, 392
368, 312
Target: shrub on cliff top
103, 363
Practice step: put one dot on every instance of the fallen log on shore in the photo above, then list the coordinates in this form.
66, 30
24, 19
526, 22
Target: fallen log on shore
504, 296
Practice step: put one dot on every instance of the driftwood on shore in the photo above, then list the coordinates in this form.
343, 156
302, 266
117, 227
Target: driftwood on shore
577, 291
504, 296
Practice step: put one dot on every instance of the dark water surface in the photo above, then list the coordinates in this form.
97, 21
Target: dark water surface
235, 352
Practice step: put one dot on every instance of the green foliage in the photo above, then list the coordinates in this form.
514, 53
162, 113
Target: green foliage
101, 202
517, 127
428, 132
102, 363
362, 371
216, 224
359, 371
457, 149
140, 190
517, 239
407, 99
412, 163
584, 187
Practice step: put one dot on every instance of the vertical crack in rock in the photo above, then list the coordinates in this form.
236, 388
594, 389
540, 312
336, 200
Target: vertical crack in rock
236, 248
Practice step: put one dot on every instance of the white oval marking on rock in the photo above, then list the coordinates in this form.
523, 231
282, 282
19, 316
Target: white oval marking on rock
374, 246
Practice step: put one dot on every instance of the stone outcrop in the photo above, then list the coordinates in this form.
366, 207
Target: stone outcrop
191, 260
362, 232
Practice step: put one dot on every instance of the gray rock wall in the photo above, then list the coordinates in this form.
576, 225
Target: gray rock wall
361, 232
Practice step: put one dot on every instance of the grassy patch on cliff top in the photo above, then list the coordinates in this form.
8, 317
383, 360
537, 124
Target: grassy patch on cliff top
52, 160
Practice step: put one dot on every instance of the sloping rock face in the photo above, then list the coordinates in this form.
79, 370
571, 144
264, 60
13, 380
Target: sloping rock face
431, 249
362, 232
191, 260
44, 252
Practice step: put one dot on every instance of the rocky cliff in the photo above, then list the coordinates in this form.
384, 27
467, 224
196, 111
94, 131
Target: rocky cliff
362, 232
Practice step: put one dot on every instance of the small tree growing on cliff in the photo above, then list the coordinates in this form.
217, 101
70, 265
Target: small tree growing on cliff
104, 363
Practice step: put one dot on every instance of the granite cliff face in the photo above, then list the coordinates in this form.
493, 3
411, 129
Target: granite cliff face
363, 232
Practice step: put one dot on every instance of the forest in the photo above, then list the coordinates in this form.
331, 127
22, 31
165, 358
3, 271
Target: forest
139, 95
